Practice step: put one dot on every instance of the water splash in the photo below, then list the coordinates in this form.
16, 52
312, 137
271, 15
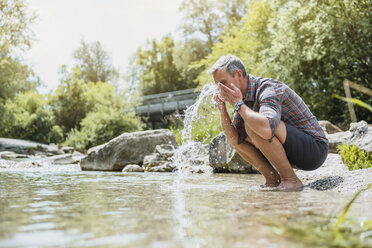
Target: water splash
192, 156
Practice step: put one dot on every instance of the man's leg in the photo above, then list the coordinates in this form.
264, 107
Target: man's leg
275, 153
252, 155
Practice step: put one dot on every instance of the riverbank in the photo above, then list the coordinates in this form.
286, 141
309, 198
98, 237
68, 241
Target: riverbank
333, 175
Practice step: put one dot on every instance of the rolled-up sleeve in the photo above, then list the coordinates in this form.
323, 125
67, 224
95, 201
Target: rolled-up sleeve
270, 100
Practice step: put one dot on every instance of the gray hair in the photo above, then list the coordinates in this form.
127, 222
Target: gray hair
230, 64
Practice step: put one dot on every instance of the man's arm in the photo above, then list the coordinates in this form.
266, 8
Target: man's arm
258, 122
226, 124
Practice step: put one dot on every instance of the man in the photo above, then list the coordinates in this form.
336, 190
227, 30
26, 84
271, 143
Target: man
272, 128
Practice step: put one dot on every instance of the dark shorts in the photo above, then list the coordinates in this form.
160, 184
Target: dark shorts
303, 151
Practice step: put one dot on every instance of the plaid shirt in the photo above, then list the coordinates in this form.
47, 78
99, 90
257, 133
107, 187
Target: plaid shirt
277, 101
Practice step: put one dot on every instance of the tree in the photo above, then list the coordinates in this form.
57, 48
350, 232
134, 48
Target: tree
15, 21
206, 20
102, 125
15, 37
184, 54
28, 116
69, 104
158, 72
316, 45
246, 40
15, 78
201, 19
94, 63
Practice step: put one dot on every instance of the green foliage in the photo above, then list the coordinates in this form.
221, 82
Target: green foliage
354, 157
102, 125
94, 63
206, 20
15, 78
29, 117
157, 70
91, 113
74, 99
15, 24
246, 41
68, 102
201, 18
15, 37
315, 45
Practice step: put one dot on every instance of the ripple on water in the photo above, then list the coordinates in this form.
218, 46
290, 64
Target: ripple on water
43, 238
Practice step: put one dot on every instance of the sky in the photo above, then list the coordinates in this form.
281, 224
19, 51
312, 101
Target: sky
120, 25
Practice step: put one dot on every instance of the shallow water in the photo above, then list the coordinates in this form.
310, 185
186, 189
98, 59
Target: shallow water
77, 209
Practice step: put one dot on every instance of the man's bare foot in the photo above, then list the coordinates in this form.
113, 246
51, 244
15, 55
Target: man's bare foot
290, 184
273, 181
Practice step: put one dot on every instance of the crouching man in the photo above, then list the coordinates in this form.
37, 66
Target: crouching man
272, 128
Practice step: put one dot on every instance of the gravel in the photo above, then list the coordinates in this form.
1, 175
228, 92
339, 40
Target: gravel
333, 175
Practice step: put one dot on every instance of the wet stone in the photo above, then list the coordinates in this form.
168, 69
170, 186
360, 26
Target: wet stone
132, 168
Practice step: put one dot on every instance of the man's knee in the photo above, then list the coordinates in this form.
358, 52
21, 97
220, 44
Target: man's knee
280, 134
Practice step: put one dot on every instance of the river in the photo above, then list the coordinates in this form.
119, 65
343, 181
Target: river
105, 209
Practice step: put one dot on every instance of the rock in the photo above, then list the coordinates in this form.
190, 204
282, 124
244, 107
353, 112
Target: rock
6, 164
159, 161
133, 168
28, 147
128, 148
152, 160
165, 151
63, 159
78, 156
53, 148
224, 158
329, 128
359, 134
67, 149
21, 146
193, 154
60, 159
165, 167
11, 155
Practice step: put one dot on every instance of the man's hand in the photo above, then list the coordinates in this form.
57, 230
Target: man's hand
220, 103
231, 95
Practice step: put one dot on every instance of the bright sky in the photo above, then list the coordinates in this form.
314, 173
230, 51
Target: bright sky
120, 25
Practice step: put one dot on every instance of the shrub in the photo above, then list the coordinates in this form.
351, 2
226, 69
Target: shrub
101, 126
354, 157
28, 116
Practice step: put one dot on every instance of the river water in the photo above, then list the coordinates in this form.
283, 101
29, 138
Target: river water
105, 209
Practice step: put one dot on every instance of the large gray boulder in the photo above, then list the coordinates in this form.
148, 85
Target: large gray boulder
224, 158
128, 148
359, 134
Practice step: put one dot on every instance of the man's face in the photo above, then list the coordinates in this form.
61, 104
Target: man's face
225, 78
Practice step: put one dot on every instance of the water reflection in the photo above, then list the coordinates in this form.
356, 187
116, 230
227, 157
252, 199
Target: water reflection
152, 210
